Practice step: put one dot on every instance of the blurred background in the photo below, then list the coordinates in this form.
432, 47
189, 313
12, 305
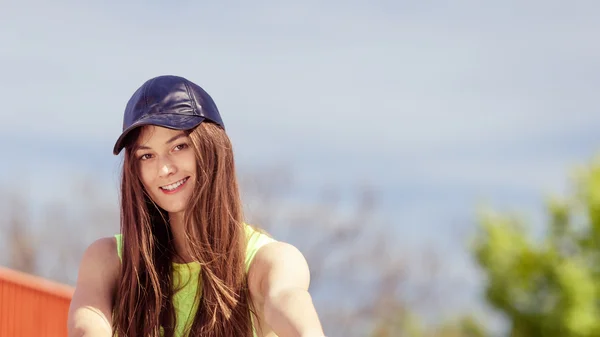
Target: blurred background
433, 160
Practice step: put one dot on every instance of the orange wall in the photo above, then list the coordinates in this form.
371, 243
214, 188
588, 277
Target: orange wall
32, 306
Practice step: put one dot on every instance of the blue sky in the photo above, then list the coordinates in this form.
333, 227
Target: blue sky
436, 104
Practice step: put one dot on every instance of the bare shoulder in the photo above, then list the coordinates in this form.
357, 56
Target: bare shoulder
277, 265
279, 252
92, 301
100, 259
102, 250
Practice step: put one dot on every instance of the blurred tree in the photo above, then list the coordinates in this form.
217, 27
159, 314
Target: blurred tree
359, 274
548, 286
405, 324
353, 266
19, 243
48, 239
397, 320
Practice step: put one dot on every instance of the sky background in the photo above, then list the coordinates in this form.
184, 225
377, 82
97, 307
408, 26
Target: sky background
436, 104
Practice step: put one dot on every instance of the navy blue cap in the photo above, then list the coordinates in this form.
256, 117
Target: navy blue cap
168, 101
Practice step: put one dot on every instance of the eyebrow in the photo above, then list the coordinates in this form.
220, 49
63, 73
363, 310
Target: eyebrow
171, 140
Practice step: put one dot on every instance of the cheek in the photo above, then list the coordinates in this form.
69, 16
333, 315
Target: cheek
146, 176
189, 162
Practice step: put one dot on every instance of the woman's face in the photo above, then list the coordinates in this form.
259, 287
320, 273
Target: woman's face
167, 165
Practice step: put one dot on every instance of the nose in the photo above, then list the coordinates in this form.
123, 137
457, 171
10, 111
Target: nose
166, 168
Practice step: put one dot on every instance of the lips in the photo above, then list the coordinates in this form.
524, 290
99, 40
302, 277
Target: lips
174, 187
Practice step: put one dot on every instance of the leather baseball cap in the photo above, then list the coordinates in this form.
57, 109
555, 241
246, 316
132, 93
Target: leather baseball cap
168, 101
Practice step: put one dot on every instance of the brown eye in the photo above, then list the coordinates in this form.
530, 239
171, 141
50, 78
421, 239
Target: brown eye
180, 147
145, 156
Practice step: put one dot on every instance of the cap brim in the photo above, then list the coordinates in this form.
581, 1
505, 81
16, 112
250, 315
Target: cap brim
171, 121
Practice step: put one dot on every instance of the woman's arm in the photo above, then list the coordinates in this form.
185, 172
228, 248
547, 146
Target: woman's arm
279, 277
91, 305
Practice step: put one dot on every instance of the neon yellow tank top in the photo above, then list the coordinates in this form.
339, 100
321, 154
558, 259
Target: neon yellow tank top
187, 274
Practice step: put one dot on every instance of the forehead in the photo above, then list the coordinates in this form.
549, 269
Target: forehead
152, 136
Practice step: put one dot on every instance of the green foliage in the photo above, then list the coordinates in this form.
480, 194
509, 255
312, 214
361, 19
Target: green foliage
403, 323
550, 286
399, 323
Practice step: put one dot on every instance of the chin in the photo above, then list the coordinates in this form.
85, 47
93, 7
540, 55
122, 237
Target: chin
171, 208
174, 203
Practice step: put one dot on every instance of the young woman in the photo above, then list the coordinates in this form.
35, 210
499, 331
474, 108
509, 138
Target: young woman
185, 262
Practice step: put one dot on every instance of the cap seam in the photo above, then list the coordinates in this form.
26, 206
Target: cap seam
163, 113
193, 101
145, 92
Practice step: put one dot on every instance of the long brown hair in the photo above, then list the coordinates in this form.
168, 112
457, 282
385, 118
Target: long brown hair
216, 236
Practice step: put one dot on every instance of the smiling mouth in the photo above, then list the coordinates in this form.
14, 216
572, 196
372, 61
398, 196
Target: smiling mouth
174, 187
